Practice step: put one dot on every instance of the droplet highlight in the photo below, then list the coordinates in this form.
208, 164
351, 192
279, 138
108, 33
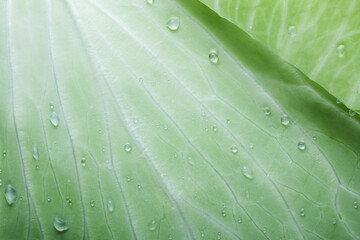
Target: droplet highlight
292, 31
60, 225
234, 149
150, 2
127, 147
10, 194
285, 121
92, 203
213, 57
110, 206
301, 145
173, 23
246, 172
340, 50
267, 111
54, 119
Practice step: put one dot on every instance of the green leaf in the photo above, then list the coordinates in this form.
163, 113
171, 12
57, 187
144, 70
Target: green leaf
114, 126
321, 38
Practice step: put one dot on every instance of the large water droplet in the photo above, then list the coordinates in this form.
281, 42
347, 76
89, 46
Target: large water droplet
247, 172
110, 206
92, 203
173, 23
355, 204
285, 121
35, 152
352, 113
292, 31
83, 162
60, 225
267, 111
150, 2
302, 212
54, 119
10, 194
127, 147
340, 50
234, 149
301, 145
213, 57
152, 225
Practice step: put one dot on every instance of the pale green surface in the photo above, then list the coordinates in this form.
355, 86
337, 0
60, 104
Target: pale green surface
117, 75
320, 28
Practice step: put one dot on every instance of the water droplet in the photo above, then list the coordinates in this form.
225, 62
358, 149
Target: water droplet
191, 161
223, 213
234, 149
202, 234
338, 101
292, 31
150, 2
54, 119
219, 236
1, 183
301, 145
333, 221
60, 225
340, 50
228, 121
264, 230
267, 111
4, 153
239, 220
214, 128
127, 147
302, 212
152, 225
247, 172
355, 204
83, 162
128, 178
173, 23
35, 152
48, 199
10, 194
285, 121
37, 166
139, 186
51, 106
170, 237
92, 203
352, 113
251, 146
213, 57
110, 206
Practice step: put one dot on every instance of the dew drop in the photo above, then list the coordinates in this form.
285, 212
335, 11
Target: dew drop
223, 213
4, 153
301, 145
191, 161
35, 152
127, 147
1, 183
338, 101
247, 172
251, 146
150, 2
170, 237
355, 204
83, 162
10, 194
37, 166
48, 199
264, 230
228, 121
60, 225
352, 113
110, 206
292, 31
340, 50
285, 121
239, 220
54, 119
152, 225
302, 212
128, 178
51, 106
219, 236
267, 111
214, 128
333, 221
202, 234
234, 149
92, 203
213, 57
139, 186
173, 23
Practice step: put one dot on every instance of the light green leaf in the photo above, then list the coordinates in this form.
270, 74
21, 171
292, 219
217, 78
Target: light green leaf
321, 38
114, 125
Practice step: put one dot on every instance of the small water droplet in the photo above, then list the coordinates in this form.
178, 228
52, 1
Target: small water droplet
128, 178
251, 146
292, 31
340, 50
219, 236
173, 23
10, 194
234, 149
250, 27
264, 230
35, 152
4, 153
267, 111
301, 145
228, 121
239, 220
338, 101
355, 204
213, 57
202, 234
333, 221
139, 186
170, 237
285, 121
1, 182
191, 161
247, 172
127, 147
223, 213
214, 128
37, 166
48, 199
352, 113
92, 203
60, 225
302, 212
110, 206
70, 202
152, 225
83, 162
51, 106
54, 119
150, 2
